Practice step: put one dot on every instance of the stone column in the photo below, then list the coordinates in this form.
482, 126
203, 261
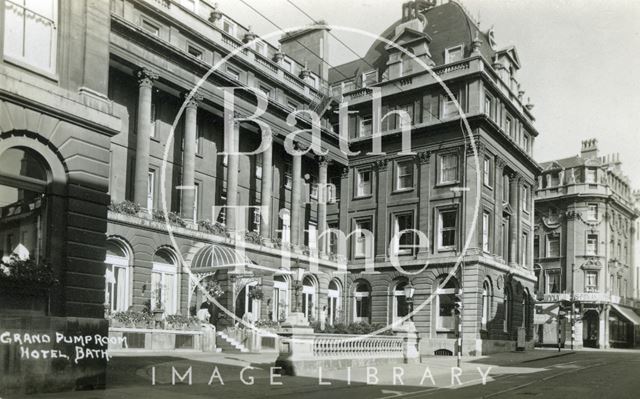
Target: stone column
143, 131
513, 221
266, 190
296, 190
189, 156
345, 195
381, 242
498, 186
232, 178
323, 164
424, 184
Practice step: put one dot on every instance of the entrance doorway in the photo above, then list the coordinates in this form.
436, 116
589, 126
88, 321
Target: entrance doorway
590, 329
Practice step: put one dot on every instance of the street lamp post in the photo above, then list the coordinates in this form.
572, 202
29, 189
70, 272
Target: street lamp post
297, 280
409, 290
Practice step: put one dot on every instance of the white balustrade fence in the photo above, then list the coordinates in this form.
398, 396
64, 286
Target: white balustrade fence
338, 346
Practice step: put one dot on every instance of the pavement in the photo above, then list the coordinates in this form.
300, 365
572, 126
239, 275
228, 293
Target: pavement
510, 374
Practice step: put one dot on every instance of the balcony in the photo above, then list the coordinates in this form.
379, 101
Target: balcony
199, 25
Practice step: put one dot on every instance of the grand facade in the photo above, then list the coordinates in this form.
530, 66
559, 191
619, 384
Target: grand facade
465, 182
585, 236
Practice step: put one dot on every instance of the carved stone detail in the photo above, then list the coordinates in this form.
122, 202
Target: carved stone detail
146, 77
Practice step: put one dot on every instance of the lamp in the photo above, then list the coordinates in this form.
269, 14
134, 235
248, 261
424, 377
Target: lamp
298, 275
409, 290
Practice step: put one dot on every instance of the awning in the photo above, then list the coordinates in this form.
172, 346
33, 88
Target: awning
628, 314
216, 257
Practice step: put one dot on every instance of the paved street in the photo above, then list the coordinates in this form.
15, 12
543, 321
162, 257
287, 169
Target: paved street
583, 374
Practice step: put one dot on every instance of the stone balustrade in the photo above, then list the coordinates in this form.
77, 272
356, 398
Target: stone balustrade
339, 346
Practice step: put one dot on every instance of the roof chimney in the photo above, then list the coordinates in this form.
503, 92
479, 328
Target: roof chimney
589, 149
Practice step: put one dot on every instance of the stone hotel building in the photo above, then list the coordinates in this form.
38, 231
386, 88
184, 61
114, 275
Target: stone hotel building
90, 160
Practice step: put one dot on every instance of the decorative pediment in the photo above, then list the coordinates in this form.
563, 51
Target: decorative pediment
408, 36
553, 165
592, 264
512, 54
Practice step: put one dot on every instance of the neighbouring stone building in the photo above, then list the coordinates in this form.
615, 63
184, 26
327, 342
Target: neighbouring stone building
439, 187
56, 125
585, 235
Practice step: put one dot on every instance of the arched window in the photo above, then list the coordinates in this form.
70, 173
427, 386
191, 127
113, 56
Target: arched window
399, 304
486, 303
164, 282
116, 276
24, 177
309, 297
333, 299
445, 305
280, 298
407, 62
362, 302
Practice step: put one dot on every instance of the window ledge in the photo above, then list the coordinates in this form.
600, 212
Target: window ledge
447, 184
402, 190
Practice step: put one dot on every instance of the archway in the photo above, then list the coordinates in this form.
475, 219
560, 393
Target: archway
590, 329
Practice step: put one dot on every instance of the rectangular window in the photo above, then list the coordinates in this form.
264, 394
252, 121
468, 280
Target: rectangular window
150, 27
229, 27
488, 105
453, 54
525, 198
194, 51
590, 176
363, 183
430, 108
235, 74
591, 281
333, 239
196, 200
553, 249
266, 90
487, 175
287, 175
553, 281
292, 105
524, 247
369, 78
363, 246
287, 65
449, 106
536, 246
486, 232
592, 244
592, 212
448, 168
447, 229
508, 127
312, 235
30, 32
526, 143
258, 166
365, 127
404, 175
260, 47
403, 244
151, 182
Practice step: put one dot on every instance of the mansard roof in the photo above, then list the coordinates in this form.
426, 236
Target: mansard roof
448, 25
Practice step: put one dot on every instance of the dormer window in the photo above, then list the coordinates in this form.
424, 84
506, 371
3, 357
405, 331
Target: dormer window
260, 47
407, 62
453, 54
229, 27
369, 78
